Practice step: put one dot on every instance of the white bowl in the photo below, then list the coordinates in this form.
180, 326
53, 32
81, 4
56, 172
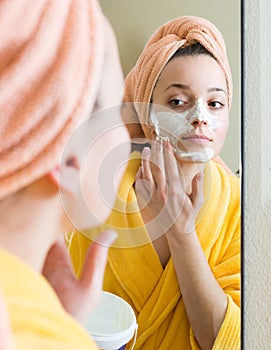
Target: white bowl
112, 323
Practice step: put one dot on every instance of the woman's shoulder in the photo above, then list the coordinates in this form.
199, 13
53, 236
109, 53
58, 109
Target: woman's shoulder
229, 177
132, 166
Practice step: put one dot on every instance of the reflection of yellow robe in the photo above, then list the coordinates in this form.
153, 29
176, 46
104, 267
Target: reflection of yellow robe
38, 320
136, 273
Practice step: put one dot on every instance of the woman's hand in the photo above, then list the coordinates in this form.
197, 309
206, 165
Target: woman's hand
78, 296
168, 208
165, 206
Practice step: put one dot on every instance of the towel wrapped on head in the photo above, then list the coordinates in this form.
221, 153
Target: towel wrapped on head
50, 66
166, 40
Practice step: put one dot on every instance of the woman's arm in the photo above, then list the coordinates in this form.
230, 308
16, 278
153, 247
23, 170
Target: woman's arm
174, 211
205, 301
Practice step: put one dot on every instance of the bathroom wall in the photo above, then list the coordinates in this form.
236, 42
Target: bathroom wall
135, 21
133, 26
257, 175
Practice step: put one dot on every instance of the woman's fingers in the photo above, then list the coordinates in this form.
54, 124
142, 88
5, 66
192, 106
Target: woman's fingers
152, 170
139, 174
96, 258
171, 166
158, 166
159, 188
145, 161
143, 188
197, 199
197, 190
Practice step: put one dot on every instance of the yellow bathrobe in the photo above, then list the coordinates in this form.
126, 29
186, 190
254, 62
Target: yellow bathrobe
38, 319
136, 273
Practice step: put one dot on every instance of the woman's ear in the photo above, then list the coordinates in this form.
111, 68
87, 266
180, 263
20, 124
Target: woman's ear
66, 177
152, 132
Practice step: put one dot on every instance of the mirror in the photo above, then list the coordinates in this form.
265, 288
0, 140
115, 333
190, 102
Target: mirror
135, 21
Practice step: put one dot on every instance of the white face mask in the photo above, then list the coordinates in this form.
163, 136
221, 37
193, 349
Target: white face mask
172, 125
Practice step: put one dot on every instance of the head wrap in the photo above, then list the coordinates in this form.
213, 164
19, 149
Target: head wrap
50, 63
162, 45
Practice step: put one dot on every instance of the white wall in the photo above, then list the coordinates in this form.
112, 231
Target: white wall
257, 175
135, 21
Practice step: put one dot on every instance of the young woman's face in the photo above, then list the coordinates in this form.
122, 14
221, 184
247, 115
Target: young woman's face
194, 89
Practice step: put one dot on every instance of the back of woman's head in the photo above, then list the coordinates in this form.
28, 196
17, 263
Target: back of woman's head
48, 83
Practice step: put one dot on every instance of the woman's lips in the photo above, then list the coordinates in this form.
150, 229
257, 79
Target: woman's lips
197, 138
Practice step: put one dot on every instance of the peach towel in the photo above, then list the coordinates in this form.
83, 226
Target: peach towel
166, 40
50, 63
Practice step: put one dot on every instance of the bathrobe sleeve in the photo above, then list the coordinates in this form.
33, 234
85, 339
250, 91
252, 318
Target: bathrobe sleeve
225, 263
229, 334
37, 317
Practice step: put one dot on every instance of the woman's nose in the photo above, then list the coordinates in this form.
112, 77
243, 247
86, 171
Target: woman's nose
199, 121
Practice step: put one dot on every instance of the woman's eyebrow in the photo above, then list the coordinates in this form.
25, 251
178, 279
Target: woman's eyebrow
178, 85
187, 87
217, 89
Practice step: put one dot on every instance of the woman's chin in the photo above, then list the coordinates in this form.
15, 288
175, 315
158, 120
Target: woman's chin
195, 155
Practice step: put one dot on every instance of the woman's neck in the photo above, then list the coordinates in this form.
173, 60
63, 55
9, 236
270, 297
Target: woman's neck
28, 223
188, 171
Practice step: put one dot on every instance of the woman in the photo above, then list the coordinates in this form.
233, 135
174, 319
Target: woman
182, 275
49, 87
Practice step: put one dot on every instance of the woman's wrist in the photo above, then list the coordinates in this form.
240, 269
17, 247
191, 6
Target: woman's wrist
180, 236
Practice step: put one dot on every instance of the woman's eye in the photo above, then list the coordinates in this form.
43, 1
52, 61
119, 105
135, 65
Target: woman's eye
216, 104
176, 102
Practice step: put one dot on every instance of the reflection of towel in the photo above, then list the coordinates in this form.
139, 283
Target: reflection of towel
141, 81
38, 320
136, 274
50, 63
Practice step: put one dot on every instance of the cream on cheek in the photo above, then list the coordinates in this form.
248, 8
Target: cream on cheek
172, 125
